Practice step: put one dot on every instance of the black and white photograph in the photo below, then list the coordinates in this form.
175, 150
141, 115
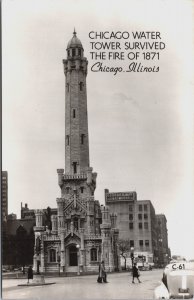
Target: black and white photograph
97, 179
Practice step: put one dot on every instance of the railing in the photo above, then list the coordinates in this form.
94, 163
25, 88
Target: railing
51, 238
75, 176
92, 236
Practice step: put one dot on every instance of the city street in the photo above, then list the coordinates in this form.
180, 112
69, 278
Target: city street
119, 286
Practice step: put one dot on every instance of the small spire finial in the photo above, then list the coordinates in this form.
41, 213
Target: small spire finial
74, 32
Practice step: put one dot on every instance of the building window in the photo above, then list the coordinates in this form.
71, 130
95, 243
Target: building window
140, 225
145, 225
147, 243
67, 189
130, 225
74, 167
79, 52
68, 52
130, 207
140, 207
145, 207
73, 52
141, 243
140, 216
52, 255
81, 86
74, 114
82, 189
68, 87
67, 140
130, 216
75, 223
93, 254
131, 243
145, 216
82, 138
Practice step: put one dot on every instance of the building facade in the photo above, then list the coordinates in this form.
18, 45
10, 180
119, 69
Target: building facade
136, 221
162, 233
83, 232
4, 195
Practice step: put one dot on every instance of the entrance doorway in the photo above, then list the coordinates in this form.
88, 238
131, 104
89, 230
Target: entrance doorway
73, 261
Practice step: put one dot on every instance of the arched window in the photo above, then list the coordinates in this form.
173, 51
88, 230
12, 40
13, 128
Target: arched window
52, 255
93, 253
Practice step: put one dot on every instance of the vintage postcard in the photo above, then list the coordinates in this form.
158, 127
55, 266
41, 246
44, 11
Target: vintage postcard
97, 149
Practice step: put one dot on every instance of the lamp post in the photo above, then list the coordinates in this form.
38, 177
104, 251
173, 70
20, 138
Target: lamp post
78, 270
132, 256
160, 252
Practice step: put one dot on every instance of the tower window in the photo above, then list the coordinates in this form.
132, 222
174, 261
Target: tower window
81, 86
73, 52
75, 223
93, 254
82, 189
68, 87
74, 167
52, 255
79, 52
74, 113
67, 139
82, 138
68, 52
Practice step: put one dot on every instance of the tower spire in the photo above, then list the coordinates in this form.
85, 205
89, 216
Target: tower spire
76, 121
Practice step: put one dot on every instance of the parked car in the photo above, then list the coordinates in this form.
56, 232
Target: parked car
177, 282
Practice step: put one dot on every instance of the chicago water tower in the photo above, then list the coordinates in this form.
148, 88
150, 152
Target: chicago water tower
83, 232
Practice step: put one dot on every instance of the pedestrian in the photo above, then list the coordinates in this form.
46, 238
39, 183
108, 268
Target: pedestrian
30, 273
135, 273
102, 276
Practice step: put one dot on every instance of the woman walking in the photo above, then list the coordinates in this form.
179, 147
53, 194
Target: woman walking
135, 273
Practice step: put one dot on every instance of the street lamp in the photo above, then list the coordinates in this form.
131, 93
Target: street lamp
78, 271
160, 252
132, 256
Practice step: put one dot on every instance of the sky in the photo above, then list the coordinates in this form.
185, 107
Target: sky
140, 123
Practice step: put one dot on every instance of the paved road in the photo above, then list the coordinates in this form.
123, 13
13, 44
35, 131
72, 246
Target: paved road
86, 287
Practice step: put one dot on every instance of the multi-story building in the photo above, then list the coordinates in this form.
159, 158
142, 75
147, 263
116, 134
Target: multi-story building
136, 222
27, 213
162, 233
4, 195
83, 232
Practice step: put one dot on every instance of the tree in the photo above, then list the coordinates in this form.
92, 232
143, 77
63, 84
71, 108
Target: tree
124, 248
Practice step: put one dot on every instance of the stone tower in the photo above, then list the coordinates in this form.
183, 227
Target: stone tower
75, 243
